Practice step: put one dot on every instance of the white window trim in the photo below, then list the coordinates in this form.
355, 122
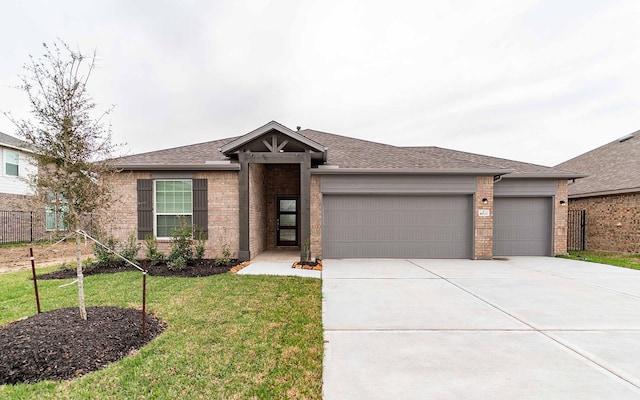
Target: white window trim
5, 161
57, 208
155, 207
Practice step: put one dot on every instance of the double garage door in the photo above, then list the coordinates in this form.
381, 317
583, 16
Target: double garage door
430, 226
397, 226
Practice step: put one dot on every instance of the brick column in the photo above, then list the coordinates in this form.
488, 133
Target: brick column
560, 217
483, 224
316, 217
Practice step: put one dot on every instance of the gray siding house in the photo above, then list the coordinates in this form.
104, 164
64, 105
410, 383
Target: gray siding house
16, 165
276, 188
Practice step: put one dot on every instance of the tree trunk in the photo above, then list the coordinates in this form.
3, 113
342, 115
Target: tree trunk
81, 304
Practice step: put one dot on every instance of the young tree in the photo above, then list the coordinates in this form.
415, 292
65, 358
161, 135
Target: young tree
71, 146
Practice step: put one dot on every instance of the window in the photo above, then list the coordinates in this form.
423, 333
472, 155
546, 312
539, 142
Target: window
55, 212
11, 162
173, 205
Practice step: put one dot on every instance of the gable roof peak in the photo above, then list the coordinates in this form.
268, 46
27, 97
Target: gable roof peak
245, 139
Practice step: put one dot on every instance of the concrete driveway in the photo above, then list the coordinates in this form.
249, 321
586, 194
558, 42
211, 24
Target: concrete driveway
522, 328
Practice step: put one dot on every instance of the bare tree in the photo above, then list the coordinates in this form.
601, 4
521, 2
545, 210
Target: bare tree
71, 145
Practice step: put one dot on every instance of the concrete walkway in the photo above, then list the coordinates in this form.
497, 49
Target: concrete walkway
277, 268
524, 328
278, 262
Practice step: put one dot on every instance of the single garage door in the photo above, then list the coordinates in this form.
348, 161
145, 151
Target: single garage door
522, 226
395, 226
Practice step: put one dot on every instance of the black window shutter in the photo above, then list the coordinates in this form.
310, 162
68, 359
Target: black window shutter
145, 208
200, 208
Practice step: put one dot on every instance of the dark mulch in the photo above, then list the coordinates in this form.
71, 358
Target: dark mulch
198, 268
58, 345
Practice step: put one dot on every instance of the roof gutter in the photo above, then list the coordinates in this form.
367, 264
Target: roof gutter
14, 147
605, 193
407, 171
179, 167
542, 175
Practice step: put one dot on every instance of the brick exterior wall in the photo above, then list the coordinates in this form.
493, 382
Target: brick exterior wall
283, 180
18, 202
483, 225
257, 209
121, 220
612, 222
560, 218
316, 218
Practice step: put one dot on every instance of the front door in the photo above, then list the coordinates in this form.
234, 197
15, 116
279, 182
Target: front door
287, 221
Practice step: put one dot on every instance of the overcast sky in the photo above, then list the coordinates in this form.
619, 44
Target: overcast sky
532, 80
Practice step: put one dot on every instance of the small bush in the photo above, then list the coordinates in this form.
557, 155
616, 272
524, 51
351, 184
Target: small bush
104, 256
130, 248
152, 254
107, 257
87, 263
225, 259
200, 246
177, 263
306, 251
181, 247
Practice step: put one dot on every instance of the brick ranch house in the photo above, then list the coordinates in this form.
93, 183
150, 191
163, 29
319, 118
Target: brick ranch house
610, 194
275, 188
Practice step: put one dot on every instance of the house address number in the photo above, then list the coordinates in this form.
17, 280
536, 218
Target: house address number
484, 213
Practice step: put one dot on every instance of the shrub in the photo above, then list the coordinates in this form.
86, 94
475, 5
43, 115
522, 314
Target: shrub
130, 248
306, 251
200, 246
104, 256
152, 253
181, 247
177, 264
225, 259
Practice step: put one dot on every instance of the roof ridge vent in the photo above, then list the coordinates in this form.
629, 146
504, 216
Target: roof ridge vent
624, 139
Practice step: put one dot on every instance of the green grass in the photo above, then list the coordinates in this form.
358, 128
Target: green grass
618, 259
228, 337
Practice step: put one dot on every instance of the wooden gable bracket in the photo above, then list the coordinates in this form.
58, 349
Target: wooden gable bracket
274, 147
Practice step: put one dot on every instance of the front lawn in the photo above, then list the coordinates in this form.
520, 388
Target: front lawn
618, 259
228, 336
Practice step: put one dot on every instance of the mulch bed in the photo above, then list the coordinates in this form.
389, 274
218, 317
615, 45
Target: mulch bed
58, 345
199, 268
313, 265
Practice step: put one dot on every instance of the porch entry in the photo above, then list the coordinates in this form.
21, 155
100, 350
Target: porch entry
287, 221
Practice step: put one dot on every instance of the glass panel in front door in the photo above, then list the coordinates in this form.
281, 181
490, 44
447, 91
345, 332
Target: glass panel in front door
288, 205
287, 235
287, 222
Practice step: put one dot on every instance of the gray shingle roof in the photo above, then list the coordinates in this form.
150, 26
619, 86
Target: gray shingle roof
10, 141
614, 167
520, 169
190, 155
347, 153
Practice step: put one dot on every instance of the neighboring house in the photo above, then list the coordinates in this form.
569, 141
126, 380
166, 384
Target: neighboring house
343, 197
17, 166
610, 194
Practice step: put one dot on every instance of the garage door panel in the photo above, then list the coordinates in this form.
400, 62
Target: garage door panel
393, 234
397, 250
522, 226
395, 218
388, 226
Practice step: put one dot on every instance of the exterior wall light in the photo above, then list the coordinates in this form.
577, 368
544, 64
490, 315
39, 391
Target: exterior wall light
485, 201
563, 203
